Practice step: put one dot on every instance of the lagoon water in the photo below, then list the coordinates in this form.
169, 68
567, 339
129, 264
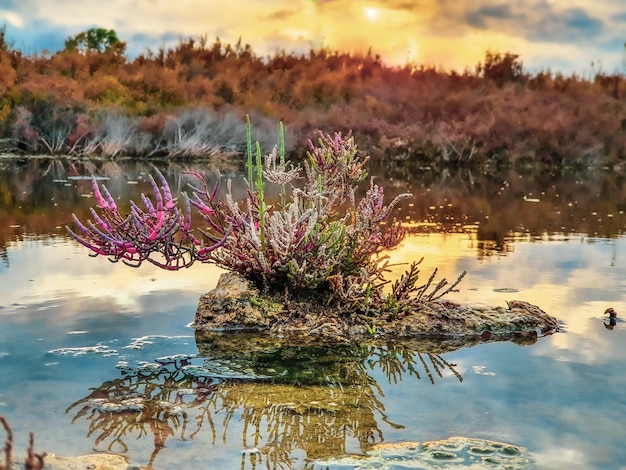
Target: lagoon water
99, 357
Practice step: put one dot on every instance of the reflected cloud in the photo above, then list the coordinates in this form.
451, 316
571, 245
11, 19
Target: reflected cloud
56, 270
555, 275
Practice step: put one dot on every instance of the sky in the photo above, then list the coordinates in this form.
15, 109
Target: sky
568, 36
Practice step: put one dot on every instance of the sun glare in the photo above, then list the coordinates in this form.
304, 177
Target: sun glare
371, 13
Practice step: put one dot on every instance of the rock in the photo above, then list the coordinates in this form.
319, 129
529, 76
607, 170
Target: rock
235, 304
83, 462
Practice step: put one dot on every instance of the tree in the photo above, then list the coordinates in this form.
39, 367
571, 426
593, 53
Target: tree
4, 46
501, 68
96, 40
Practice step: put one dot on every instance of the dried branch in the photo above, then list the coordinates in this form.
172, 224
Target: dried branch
8, 445
443, 283
33, 460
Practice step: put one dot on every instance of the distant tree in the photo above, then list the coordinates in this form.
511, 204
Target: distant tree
4, 45
501, 68
96, 40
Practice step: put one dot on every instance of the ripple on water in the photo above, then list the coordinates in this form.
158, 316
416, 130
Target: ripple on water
98, 349
140, 343
222, 369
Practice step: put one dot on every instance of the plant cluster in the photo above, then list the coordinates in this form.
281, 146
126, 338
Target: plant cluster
193, 132
315, 235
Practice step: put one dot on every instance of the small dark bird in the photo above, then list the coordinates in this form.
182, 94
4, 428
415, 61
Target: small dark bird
612, 313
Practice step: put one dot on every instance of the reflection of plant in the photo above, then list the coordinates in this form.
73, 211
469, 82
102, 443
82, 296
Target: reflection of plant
397, 361
287, 398
139, 403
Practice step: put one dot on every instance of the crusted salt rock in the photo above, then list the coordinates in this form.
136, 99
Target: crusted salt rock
454, 452
236, 304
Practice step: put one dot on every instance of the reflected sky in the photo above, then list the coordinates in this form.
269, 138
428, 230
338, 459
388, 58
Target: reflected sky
44, 272
68, 320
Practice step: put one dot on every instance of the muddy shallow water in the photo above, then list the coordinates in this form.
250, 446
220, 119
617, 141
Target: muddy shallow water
98, 356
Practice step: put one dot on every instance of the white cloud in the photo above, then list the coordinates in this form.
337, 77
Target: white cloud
11, 18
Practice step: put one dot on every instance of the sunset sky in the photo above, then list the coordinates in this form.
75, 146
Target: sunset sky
562, 35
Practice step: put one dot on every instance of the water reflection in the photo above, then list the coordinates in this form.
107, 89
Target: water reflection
289, 398
500, 207
562, 398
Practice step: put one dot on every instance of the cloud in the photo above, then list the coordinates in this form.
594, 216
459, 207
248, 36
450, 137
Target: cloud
291, 43
12, 18
37, 36
534, 21
486, 15
281, 15
139, 42
453, 34
570, 25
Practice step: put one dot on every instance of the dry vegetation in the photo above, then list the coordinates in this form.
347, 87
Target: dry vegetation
33, 460
190, 101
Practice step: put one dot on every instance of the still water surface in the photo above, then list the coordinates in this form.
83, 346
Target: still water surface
96, 356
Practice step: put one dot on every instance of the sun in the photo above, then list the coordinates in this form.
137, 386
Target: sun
371, 13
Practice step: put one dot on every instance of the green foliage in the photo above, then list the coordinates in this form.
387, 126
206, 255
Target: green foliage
96, 40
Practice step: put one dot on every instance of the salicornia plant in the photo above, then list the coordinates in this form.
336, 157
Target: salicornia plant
316, 236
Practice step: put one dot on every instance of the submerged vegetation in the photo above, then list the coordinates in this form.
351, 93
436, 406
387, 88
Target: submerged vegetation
91, 99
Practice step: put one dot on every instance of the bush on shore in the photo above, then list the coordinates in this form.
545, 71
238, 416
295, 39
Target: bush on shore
98, 102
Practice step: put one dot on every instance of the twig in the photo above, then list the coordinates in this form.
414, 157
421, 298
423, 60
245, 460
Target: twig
8, 444
33, 461
432, 296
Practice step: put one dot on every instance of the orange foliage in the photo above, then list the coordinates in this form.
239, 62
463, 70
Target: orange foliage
498, 113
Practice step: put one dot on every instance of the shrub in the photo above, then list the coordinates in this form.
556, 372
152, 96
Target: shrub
316, 235
501, 68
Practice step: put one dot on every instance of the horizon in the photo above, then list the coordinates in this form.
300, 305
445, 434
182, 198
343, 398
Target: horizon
571, 37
